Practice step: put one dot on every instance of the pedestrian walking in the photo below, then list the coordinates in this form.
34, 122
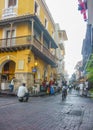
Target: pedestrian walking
64, 89
70, 88
81, 87
11, 86
86, 88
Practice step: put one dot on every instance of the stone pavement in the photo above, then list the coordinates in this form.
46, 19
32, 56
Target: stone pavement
47, 113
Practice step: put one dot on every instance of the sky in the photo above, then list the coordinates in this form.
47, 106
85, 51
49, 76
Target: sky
65, 12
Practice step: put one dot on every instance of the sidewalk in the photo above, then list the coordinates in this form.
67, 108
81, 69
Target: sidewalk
8, 93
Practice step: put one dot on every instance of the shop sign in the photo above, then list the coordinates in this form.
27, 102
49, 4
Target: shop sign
34, 70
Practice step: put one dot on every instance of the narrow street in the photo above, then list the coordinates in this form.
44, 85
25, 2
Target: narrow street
47, 113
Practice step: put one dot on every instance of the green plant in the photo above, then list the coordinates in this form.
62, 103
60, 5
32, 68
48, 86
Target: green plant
91, 90
90, 74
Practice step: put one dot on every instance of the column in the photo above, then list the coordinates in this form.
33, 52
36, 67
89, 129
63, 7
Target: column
32, 30
42, 41
11, 32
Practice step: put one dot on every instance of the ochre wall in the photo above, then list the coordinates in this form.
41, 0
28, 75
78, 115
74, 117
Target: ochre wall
27, 7
23, 29
1, 33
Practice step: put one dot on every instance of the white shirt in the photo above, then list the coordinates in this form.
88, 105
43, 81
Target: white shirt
86, 84
12, 82
81, 86
21, 91
64, 87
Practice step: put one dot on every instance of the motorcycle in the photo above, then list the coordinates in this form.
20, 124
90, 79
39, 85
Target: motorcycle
64, 93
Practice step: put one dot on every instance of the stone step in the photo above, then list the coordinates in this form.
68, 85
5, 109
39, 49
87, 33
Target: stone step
7, 93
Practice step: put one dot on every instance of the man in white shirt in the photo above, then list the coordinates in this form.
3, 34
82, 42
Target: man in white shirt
81, 86
23, 93
86, 88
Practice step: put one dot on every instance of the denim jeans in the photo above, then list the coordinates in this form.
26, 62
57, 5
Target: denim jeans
26, 96
11, 87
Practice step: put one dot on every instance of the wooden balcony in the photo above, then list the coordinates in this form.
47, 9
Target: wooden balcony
26, 42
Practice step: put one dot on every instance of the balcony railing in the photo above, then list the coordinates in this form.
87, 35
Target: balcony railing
9, 12
18, 43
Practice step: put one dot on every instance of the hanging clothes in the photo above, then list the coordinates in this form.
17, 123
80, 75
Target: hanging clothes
82, 7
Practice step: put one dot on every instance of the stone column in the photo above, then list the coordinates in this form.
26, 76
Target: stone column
24, 78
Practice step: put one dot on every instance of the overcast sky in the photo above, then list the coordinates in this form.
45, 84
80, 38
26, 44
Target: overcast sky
65, 12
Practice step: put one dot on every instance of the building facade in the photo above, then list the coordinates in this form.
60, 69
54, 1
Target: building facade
86, 8
78, 71
27, 46
86, 47
60, 38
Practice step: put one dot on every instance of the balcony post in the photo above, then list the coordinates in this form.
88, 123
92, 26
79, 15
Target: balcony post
11, 31
41, 41
42, 37
50, 45
32, 21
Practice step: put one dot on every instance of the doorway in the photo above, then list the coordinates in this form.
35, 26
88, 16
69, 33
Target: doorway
7, 72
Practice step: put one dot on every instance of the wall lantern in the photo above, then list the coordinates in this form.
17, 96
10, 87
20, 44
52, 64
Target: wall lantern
35, 64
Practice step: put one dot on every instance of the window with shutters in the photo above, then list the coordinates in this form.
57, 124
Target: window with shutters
10, 41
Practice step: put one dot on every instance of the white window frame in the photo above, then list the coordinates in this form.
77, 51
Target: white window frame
53, 34
46, 23
38, 8
6, 4
8, 29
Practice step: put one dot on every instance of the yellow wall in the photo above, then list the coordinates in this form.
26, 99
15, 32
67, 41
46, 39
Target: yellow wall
1, 33
23, 29
43, 15
2, 6
15, 56
25, 7
27, 68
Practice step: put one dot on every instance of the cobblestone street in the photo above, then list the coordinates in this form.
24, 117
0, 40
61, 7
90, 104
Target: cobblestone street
47, 113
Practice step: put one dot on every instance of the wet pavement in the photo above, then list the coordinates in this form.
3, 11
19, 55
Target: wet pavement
47, 113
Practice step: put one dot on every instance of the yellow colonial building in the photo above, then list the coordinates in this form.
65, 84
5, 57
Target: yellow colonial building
27, 46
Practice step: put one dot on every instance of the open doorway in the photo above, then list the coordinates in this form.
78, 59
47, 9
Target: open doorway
8, 71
